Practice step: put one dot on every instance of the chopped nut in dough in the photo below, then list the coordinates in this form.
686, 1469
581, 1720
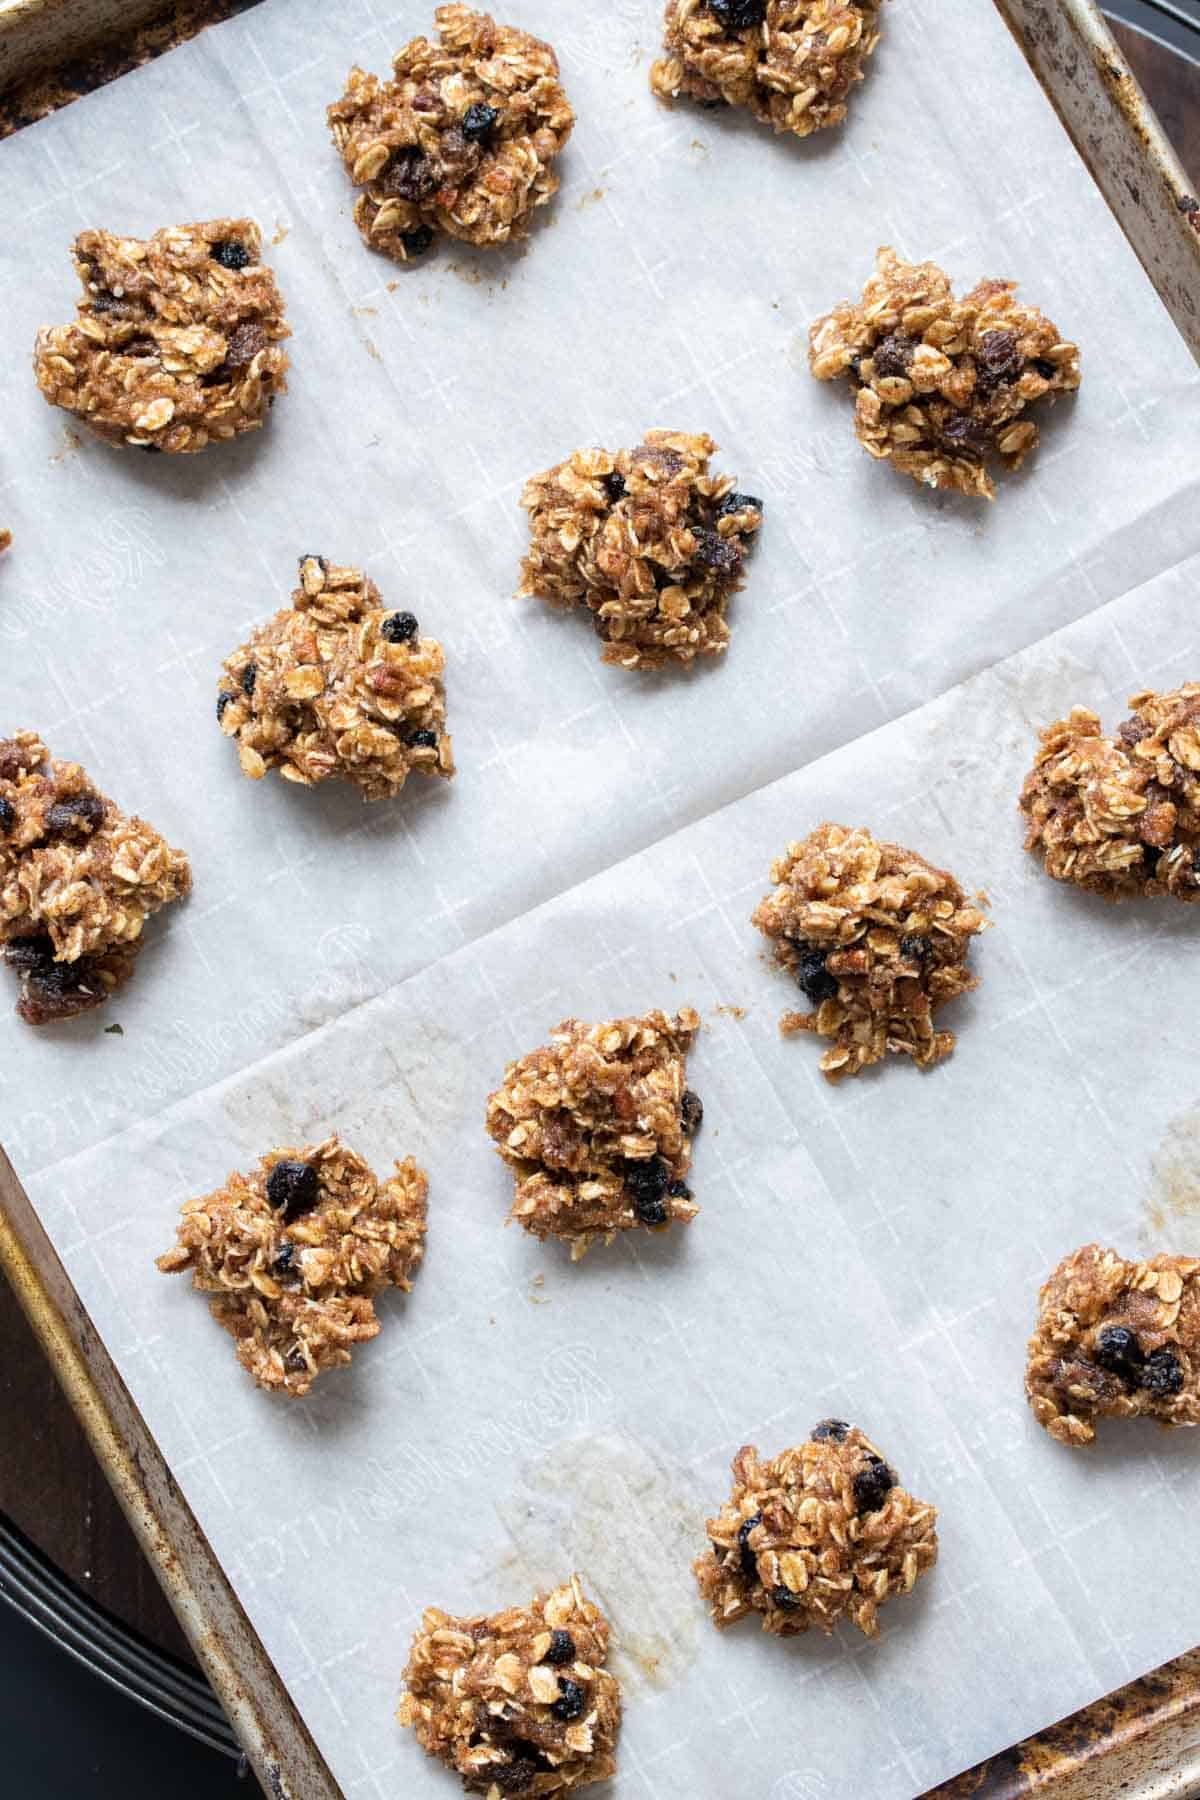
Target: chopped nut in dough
178, 339
461, 140
518, 1702
338, 685
1120, 816
877, 938
1115, 1339
294, 1254
78, 880
793, 63
648, 540
820, 1533
943, 385
597, 1126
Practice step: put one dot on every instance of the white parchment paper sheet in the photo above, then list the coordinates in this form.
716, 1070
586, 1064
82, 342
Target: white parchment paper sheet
872, 1251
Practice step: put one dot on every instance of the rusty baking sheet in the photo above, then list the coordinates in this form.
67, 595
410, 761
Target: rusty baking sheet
1142, 1742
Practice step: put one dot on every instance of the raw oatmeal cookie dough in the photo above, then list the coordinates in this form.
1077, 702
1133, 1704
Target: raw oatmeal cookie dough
461, 140
819, 1533
338, 685
293, 1255
943, 385
178, 339
877, 938
518, 1702
597, 1127
5, 540
648, 540
792, 62
78, 880
1120, 816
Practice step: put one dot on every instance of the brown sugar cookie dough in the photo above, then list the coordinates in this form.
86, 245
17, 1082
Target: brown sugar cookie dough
518, 1702
5, 540
338, 685
877, 938
461, 140
78, 880
178, 339
648, 540
820, 1533
792, 62
1115, 1339
1120, 816
943, 385
597, 1128
293, 1255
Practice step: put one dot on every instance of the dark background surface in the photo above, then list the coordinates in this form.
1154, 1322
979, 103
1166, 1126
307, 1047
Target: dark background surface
65, 1734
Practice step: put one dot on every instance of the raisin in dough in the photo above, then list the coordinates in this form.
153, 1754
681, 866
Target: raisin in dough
942, 386
293, 1254
596, 1127
819, 1533
178, 339
518, 1702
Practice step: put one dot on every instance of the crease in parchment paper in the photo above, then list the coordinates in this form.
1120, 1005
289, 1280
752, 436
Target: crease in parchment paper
874, 1251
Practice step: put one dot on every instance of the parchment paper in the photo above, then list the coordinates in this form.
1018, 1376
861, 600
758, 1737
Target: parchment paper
872, 1251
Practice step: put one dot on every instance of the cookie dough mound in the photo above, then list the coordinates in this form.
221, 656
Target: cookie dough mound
294, 1254
338, 685
461, 140
648, 539
178, 339
518, 1702
597, 1126
877, 938
1120, 816
78, 880
1115, 1339
819, 1533
942, 385
792, 62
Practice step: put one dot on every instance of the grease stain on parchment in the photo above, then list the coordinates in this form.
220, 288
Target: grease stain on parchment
1172, 1207
620, 1515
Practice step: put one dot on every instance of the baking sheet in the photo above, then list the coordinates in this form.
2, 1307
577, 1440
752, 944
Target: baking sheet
872, 1251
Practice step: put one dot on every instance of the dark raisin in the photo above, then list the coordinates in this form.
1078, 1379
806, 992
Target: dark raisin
479, 122
52, 990
562, 1648
739, 15
230, 254
410, 175
399, 627
242, 346
872, 1486
813, 976
417, 242
736, 503
651, 1209
572, 1699
679, 1190
785, 1600
837, 1429
1045, 368
745, 1553
1187, 203
296, 1361
722, 555
223, 700
647, 1183
1162, 1375
965, 435
916, 948
893, 355
519, 1773
84, 811
613, 485
249, 678
293, 1188
997, 359
691, 1111
424, 740
1118, 1351
285, 1258
8, 813
105, 302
